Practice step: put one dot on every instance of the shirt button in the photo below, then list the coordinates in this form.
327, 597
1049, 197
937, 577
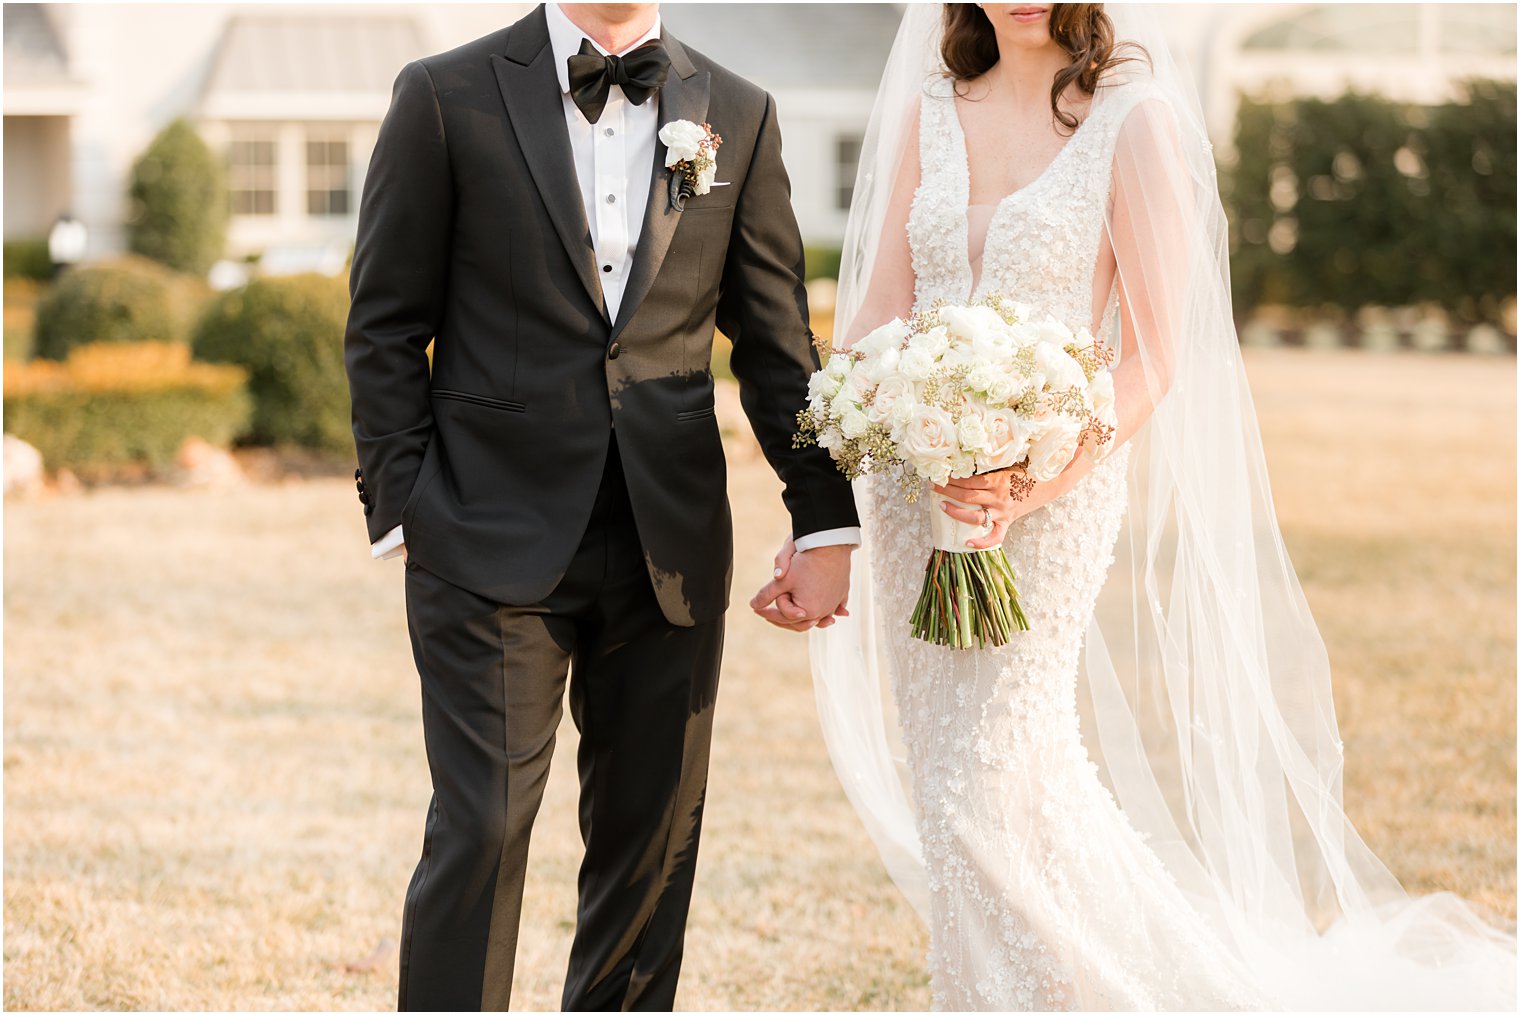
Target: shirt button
612, 199
608, 132
606, 267
614, 351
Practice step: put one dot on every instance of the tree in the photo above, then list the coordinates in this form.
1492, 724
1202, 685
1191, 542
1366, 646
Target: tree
178, 201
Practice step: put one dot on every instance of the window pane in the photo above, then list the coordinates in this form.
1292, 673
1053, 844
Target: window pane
846, 163
327, 172
251, 177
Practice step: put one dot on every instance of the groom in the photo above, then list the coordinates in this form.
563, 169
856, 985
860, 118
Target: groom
555, 477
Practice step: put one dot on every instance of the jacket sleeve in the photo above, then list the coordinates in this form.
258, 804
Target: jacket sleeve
763, 311
397, 286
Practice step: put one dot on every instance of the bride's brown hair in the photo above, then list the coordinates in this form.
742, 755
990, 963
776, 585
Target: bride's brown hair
1084, 31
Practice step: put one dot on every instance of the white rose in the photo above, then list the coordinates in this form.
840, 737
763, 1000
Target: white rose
1052, 330
916, 364
847, 400
1007, 440
972, 432
1060, 370
705, 179
838, 367
981, 376
903, 414
971, 323
822, 386
929, 439
681, 139
830, 439
891, 335
1052, 451
853, 423
891, 391
1023, 335
933, 342
1101, 391
1006, 386
879, 367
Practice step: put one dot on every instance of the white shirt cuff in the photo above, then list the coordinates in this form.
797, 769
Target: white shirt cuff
388, 545
848, 536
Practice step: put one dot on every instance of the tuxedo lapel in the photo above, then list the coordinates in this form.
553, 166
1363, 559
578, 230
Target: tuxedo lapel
683, 97
530, 88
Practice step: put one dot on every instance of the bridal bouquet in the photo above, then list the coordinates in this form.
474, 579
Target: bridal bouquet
953, 392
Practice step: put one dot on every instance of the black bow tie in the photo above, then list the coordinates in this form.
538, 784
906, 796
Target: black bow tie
592, 75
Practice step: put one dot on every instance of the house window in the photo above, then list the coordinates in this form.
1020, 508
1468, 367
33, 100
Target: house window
253, 157
327, 173
846, 163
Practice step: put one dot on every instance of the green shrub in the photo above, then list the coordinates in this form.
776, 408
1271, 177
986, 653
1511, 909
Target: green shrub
821, 262
288, 334
127, 300
177, 201
114, 404
28, 259
1362, 200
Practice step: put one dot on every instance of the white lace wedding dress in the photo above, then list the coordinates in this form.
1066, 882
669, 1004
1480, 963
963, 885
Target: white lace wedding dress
1042, 895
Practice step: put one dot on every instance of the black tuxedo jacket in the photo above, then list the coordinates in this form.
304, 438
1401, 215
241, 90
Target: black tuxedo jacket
472, 236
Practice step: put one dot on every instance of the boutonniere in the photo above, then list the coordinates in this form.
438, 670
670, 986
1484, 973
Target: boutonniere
691, 154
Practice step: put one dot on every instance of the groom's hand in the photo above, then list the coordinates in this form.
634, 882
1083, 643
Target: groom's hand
809, 589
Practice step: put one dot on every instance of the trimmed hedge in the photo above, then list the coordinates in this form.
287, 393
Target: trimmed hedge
28, 259
1362, 200
177, 201
114, 404
130, 299
288, 333
821, 262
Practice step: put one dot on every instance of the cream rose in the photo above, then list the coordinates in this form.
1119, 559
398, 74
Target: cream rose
1007, 441
682, 140
1052, 451
929, 439
891, 391
853, 423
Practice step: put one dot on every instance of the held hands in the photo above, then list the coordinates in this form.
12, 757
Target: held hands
809, 589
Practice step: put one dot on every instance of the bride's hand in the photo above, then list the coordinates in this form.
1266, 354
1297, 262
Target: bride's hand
993, 492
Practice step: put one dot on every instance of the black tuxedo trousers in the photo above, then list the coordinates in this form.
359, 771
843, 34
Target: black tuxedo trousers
641, 692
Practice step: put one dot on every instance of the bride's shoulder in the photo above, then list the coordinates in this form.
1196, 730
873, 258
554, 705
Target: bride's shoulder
939, 88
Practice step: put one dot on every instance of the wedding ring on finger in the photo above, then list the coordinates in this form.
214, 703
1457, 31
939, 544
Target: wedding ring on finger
986, 518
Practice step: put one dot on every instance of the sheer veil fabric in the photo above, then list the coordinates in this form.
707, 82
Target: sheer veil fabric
1207, 702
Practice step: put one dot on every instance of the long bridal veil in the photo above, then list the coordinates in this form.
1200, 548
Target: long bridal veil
1208, 706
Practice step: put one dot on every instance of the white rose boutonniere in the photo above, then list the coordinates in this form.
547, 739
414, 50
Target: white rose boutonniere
691, 153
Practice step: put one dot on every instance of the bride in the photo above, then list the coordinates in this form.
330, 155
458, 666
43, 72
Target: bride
1185, 847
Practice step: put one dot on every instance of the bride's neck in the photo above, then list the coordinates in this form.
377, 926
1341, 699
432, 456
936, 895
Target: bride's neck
1024, 75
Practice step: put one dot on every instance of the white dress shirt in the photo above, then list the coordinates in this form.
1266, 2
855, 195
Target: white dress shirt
613, 160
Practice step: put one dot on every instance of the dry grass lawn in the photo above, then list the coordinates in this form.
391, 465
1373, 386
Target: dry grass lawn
214, 780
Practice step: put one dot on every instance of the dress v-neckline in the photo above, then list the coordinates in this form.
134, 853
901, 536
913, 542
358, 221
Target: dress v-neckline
974, 278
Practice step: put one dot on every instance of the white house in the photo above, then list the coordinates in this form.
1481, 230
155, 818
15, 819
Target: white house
293, 93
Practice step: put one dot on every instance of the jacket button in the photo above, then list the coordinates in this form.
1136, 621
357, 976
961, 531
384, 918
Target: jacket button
614, 351
358, 474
